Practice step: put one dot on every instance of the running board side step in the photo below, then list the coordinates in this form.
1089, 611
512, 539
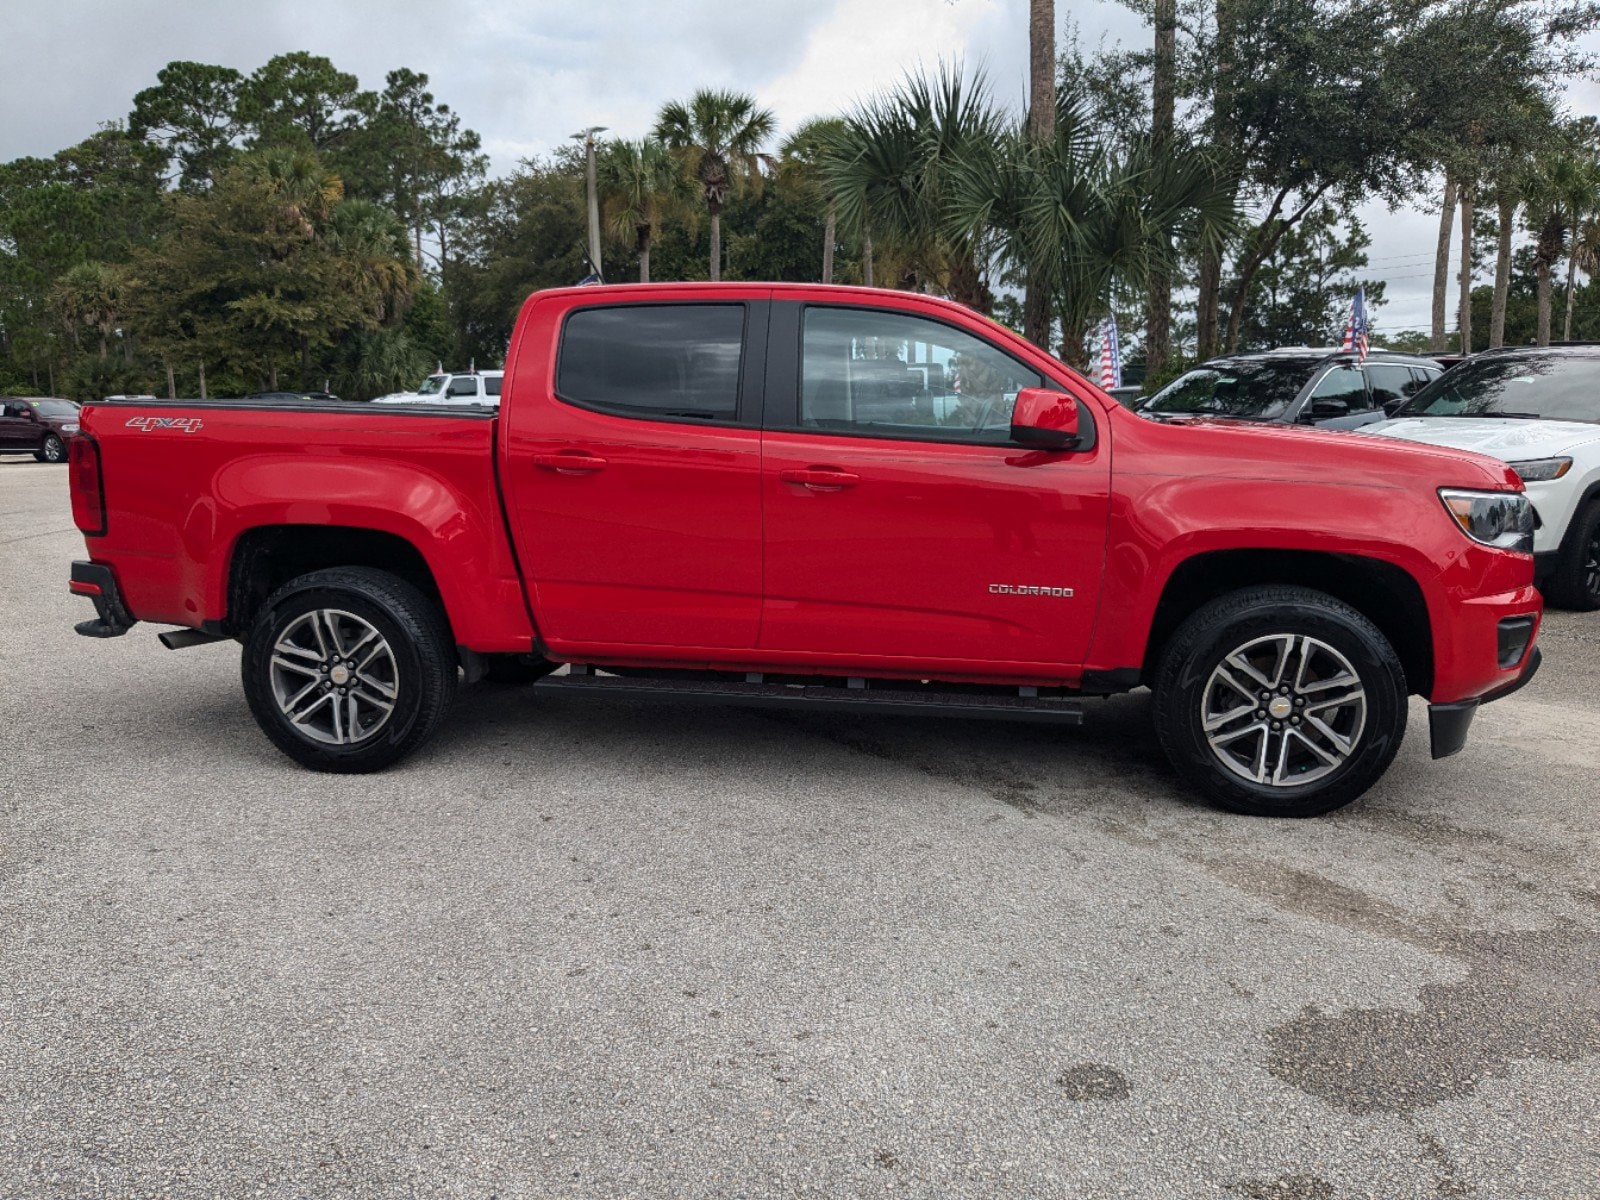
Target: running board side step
1012, 704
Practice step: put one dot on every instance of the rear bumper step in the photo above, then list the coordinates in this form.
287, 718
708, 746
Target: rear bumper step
927, 701
99, 583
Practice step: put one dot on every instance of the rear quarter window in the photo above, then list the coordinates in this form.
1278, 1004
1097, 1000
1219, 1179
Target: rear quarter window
661, 361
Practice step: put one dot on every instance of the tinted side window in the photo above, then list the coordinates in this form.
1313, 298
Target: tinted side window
491, 384
654, 360
891, 375
1341, 390
1391, 382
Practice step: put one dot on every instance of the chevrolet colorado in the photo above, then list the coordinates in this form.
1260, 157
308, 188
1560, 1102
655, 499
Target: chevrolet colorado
804, 496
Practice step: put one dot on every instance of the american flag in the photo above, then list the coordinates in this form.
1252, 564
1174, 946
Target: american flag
1355, 333
1110, 354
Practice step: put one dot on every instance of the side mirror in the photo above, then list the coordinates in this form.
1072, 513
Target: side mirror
1330, 406
1392, 406
1045, 420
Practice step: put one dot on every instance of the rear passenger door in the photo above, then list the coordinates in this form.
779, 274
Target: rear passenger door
632, 462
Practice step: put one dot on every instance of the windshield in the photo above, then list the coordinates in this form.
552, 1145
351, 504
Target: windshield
1259, 391
433, 385
54, 408
1554, 387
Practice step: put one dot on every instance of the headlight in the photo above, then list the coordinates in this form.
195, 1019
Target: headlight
1541, 470
72, 427
1503, 520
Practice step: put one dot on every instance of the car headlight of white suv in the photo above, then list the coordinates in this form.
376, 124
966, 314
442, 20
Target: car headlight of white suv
1541, 470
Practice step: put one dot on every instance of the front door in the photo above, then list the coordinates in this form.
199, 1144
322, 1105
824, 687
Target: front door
632, 475
901, 522
18, 431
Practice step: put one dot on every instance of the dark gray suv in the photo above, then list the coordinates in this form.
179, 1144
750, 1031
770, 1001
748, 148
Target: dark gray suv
1296, 386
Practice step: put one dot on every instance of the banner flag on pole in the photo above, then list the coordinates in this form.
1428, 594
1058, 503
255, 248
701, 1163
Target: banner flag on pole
1110, 354
1356, 330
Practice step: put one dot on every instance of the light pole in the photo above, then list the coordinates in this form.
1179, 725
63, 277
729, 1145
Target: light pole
586, 136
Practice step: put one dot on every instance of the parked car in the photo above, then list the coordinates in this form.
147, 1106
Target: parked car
294, 397
1300, 385
681, 498
1538, 410
42, 426
462, 387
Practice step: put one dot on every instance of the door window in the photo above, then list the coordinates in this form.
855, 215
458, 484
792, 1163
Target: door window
1342, 390
1422, 377
1391, 383
662, 361
886, 374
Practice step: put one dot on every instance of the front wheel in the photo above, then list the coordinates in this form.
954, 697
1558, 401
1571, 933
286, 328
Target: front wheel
350, 669
1280, 701
1575, 583
53, 450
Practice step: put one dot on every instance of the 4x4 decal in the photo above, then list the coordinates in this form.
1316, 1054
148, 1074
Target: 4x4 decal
187, 424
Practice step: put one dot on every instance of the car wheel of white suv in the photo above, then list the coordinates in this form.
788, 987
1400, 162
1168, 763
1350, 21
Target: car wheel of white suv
1575, 583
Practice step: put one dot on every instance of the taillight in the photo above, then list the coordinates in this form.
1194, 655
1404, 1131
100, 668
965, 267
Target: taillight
88, 485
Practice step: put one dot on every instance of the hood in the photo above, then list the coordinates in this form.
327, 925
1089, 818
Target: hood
1509, 439
1267, 450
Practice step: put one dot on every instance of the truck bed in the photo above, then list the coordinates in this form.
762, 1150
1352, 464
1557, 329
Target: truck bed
185, 479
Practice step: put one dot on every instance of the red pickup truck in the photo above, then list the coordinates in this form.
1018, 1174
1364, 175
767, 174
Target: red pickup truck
842, 498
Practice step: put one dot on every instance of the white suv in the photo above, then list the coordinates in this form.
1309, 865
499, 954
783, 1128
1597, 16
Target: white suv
462, 387
1539, 410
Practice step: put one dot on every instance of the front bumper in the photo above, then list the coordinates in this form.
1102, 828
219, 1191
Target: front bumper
1448, 723
99, 583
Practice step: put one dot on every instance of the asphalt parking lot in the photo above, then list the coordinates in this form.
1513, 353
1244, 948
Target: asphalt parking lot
590, 949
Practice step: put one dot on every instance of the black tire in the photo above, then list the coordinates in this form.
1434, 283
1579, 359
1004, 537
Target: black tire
517, 668
1192, 682
419, 669
53, 450
1575, 582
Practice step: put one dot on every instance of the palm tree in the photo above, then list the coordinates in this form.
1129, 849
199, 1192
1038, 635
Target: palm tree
89, 296
1561, 190
304, 190
893, 174
1583, 254
1089, 219
375, 250
1042, 128
803, 161
718, 136
640, 183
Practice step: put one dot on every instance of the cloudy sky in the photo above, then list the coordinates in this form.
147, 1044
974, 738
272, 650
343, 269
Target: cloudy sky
527, 75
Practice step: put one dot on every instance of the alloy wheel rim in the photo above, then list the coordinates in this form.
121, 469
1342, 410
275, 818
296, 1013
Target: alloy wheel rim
1591, 566
334, 677
1283, 710
53, 450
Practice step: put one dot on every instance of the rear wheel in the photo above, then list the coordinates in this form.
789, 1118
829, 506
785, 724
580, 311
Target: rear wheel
1575, 583
1280, 701
349, 670
53, 450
